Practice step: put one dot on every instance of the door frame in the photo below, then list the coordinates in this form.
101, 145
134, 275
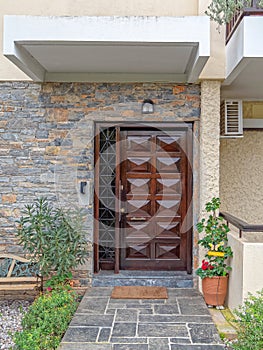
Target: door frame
189, 217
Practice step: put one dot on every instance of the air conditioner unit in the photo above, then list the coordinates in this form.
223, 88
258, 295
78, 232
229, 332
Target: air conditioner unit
231, 119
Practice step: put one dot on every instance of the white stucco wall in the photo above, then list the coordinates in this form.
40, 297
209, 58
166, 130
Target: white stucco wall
235, 283
247, 273
8, 71
241, 176
216, 65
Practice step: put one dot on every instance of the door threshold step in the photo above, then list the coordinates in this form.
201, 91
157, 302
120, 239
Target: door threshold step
171, 279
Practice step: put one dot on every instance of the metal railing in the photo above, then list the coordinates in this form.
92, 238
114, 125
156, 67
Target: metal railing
253, 10
242, 225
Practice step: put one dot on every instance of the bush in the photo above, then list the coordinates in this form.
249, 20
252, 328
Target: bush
250, 324
46, 321
54, 238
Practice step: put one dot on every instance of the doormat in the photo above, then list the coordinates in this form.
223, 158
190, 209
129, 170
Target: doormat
134, 292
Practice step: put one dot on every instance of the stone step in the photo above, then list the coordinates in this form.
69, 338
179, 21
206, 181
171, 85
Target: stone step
169, 279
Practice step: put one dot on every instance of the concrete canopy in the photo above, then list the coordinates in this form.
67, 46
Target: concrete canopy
108, 48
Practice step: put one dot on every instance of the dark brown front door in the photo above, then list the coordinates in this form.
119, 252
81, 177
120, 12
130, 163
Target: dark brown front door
155, 188
143, 191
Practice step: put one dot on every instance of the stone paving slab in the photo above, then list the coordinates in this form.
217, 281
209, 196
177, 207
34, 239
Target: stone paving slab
172, 319
130, 347
180, 341
85, 346
159, 344
92, 320
135, 340
83, 335
124, 315
180, 322
162, 330
93, 305
104, 335
124, 329
166, 309
193, 306
196, 347
203, 333
184, 293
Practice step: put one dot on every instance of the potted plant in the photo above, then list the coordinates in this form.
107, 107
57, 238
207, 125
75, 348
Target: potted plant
214, 269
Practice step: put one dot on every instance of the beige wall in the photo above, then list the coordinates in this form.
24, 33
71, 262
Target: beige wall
253, 109
209, 141
241, 176
215, 68
101, 7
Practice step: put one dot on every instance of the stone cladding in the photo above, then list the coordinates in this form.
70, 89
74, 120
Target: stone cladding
47, 141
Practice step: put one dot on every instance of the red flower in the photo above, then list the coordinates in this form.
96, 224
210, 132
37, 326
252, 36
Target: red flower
206, 265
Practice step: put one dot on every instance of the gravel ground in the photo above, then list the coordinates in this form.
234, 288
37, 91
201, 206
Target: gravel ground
11, 313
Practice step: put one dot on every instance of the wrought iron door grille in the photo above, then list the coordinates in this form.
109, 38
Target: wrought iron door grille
107, 161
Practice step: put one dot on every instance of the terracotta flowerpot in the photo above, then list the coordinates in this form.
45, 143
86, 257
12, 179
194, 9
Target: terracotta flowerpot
215, 289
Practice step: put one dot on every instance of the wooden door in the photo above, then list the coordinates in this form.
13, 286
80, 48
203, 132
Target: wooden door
155, 182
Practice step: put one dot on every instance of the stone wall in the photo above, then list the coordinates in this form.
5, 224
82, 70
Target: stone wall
46, 140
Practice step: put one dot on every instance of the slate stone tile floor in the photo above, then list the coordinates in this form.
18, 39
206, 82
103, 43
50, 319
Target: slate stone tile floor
182, 322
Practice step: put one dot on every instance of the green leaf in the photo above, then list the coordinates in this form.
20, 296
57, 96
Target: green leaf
55, 238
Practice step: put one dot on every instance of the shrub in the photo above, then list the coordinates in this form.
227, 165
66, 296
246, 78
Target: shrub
59, 282
250, 324
46, 321
54, 238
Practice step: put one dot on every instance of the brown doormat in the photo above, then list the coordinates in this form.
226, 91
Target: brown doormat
139, 293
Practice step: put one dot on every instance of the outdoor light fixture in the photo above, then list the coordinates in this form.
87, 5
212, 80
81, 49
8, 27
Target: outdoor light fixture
147, 106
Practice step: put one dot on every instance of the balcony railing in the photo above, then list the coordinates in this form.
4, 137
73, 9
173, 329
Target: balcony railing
243, 226
253, 10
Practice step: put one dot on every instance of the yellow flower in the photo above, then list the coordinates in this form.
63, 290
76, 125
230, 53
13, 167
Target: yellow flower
214, 253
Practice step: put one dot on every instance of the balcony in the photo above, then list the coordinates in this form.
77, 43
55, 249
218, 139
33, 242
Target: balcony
253, 10
244, 55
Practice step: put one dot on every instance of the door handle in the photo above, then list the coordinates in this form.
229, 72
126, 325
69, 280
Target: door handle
121, 210
138, 219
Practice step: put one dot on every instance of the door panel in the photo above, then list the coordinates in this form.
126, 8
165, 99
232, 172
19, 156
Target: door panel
142, 194
154, 171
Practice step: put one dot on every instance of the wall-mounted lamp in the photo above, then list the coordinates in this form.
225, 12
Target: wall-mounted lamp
147, 106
